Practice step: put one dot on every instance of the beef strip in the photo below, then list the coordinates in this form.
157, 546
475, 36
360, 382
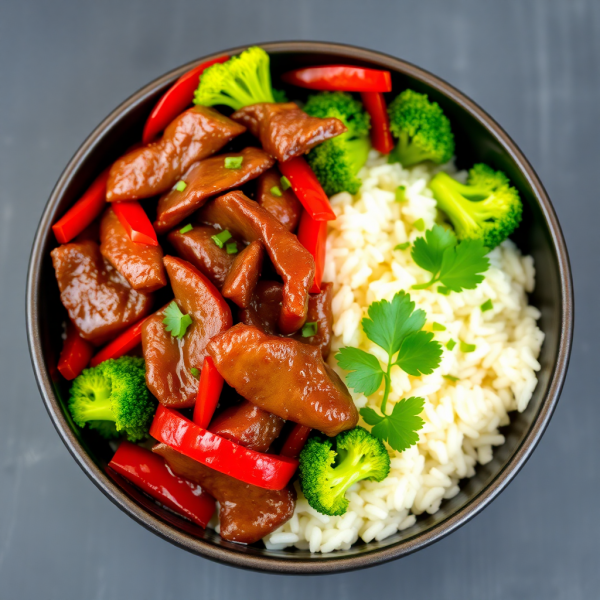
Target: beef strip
286, 208
244, 273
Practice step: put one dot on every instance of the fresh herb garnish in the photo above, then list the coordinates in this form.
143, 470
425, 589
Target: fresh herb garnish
220, 238
400, 428
419, 225
451, 345
195, 373
487, 305
175, 321
180, 186
285, 183
450, 377
310, 329
456, 265
401, 193
276, 191
402, 246
464, 347
187, 228
233, 162
396, 327
231, 248
438, 326
443, 290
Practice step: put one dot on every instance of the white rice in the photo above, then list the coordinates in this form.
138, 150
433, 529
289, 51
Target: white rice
461, 418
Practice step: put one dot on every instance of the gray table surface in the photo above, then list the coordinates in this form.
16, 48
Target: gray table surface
534, 65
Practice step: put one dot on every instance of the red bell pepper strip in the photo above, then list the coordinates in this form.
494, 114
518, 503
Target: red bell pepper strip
136, 222
313, 236
209, 392
75, 354
295, 441
307, 188
175, 100
381, 136
149, 472
127, 341
256, 468
83, 212
341, 78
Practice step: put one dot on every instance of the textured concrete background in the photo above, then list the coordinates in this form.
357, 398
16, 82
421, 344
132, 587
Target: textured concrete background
64, 64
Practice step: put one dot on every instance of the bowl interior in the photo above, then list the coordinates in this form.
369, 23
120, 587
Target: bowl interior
478, 139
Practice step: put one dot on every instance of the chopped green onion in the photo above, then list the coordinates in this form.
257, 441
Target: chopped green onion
220, 238
187, 228
233, 162
450, 345
310, 329
419, 225
438, 327
180, 186
464, 347
231, 248
402, 246
401, 194
487, 306
195, 372
443, 290
450, 377
276, 191
285, 183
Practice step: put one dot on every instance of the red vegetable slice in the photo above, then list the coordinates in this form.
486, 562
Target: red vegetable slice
341, 78
381, 136
136, 222
83, 212
75, 354
295, 441
149, 472
209, 391
127, 341
262, 470
313, 236
307, 188
175, 100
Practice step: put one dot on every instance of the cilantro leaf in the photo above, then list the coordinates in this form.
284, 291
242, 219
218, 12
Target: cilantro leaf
400, 428
175, 321
456, 265
419, 354
365, 374
390, 322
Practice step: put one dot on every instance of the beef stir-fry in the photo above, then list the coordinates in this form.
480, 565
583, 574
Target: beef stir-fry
201, 275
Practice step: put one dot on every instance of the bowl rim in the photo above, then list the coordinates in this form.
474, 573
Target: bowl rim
328, 564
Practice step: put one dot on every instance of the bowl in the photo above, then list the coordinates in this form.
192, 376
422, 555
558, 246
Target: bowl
479, 138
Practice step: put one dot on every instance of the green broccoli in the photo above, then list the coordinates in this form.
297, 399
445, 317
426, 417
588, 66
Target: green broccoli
486, 208
422, 129
325, 474
239, 82
114, 392
337, 161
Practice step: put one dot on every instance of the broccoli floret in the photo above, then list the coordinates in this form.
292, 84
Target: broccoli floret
326, 474
239, 82
422, 129
337, 161
113, 397
487, 208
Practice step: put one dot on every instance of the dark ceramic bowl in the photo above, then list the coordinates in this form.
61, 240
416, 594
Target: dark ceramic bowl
479, 138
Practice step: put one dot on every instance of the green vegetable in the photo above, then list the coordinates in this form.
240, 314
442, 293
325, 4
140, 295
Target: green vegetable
422, 130
285, 183
402, 246
419, 225
464, 347
187, 228
487, 305
276, 191
486, 209
336, 162
443, 290
450, 378
195, 373
176, 323
220, 238
231, 248
310, 329
233, 162
329, 467
113, 398
438, 326
400, 193
242, 80
180, 186
458, 266
397, 328
450, 345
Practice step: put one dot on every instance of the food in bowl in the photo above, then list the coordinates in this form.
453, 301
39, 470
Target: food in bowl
340, 323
